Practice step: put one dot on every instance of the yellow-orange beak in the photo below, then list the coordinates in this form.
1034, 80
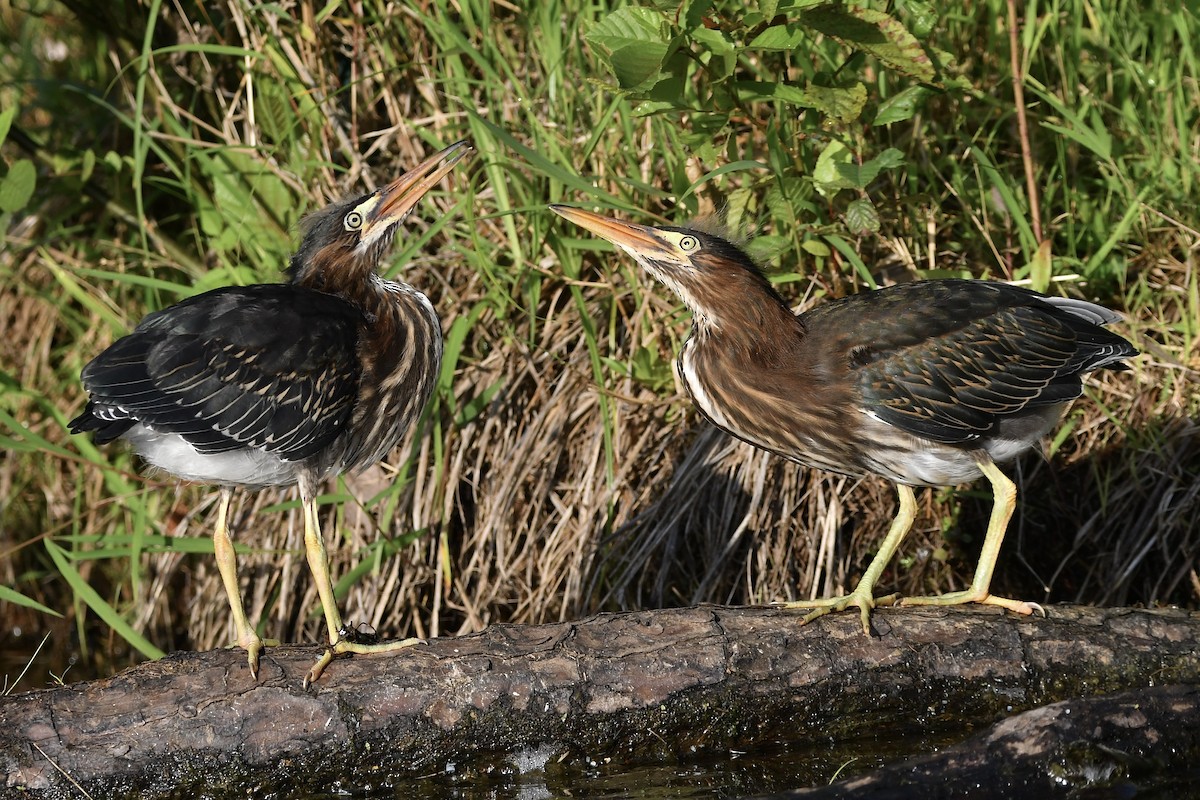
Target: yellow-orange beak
397, 199
640, 239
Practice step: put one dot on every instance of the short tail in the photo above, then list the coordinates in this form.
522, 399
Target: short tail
103, 429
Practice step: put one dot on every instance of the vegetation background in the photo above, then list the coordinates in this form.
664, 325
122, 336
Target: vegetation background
153, 150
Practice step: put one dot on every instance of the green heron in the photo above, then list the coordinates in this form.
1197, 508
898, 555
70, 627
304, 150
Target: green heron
927, 384
279, 384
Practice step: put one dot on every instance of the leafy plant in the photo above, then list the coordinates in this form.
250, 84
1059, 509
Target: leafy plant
804, 79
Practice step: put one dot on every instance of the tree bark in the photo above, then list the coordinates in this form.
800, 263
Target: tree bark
631, 686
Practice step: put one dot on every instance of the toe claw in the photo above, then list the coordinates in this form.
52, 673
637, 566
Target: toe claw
253, 647
317, 669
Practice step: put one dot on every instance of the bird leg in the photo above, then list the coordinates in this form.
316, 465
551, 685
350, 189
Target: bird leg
318, 563
247, 637
863, 595
1004, 493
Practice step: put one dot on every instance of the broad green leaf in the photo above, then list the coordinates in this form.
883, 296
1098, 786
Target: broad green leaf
17, 186
787, 197
861, 216
693, 16
816, 248
767, 248
637, 42
87, 165
842, 104
738, 206
750, 91
792, 6
901, 106
921, 16
273, 111
860, 175
873, 32
788, 36
649, 368
1039, 268
635, 65
890, 158
826, 175
724, 56
6, 118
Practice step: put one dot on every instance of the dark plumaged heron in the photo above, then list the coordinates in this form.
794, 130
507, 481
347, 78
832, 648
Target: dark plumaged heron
275, 384
927, 384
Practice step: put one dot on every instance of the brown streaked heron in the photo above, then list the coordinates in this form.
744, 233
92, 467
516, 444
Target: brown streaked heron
931, 383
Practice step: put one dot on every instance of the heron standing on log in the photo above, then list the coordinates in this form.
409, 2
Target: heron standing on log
930, 383
278, 384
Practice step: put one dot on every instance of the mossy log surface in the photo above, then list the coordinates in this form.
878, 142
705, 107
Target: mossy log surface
630, 686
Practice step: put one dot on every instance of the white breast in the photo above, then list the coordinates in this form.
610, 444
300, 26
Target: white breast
691, 379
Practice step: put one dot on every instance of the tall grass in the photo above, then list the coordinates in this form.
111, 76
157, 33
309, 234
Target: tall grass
559, 470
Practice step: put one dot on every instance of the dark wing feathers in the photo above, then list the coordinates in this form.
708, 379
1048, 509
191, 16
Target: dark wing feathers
946, 360
269, 366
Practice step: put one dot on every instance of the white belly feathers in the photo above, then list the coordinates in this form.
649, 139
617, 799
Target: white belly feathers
245, 467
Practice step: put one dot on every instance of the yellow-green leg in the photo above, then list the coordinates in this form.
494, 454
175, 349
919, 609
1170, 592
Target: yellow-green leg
318, 563
247, 637
863, 595
1004, 493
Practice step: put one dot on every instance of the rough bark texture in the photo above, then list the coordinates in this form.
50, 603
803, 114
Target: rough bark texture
634, 686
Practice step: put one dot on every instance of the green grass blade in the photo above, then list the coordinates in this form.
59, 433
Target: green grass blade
98, 604
18, 599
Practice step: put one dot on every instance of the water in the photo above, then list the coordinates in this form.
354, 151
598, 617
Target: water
769, 768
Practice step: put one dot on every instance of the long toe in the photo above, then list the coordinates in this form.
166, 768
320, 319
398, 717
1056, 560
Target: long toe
343, 645
363, 648
983, 598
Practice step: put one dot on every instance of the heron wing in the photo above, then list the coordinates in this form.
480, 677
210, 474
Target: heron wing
272, 366
947, 360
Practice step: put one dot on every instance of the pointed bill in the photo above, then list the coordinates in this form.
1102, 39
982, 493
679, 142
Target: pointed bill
399, 197
636, 239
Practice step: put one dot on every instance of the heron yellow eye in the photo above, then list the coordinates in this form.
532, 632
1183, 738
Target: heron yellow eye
354, 221
688, 243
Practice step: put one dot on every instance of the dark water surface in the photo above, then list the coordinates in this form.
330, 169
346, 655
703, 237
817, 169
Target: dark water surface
766, 769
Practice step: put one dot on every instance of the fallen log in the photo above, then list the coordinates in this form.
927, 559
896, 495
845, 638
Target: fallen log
629, 687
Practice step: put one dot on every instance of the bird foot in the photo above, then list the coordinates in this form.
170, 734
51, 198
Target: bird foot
973, 596
864, 600
343, 645
253, 644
